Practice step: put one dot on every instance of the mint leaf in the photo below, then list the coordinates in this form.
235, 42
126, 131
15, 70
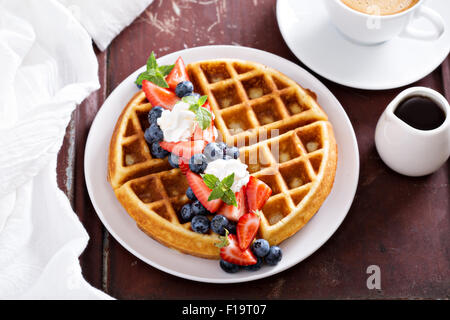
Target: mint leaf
228, 181
143, 76
155, 73
201, 101
191, 100
221, 189
159, 81
211, 180
203, 117
217, 193
223, 240
229, 198
151, 62
165, 70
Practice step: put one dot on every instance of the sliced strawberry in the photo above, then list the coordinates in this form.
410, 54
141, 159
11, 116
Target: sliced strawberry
206, 135
257, 194
231, 252
185, 149
183, 164
234, 213
247, 228
202, 191
158, 96
178, 74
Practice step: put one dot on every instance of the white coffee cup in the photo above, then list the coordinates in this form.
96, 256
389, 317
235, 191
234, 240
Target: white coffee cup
374, 29
410, 151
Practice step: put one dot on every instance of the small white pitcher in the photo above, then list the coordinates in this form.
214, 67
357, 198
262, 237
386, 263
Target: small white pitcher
410, 151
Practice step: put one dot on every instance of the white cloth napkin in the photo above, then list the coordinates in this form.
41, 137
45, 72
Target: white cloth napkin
48, 67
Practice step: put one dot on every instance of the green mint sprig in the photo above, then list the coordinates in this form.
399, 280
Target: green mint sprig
221, 189
202, 115
223, 240
155, 73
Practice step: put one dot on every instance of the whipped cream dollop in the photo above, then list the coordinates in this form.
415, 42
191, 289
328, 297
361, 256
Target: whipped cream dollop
223, 168
177, 124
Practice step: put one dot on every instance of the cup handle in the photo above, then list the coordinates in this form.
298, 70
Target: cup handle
432, 16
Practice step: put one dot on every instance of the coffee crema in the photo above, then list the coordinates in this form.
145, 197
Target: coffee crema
380, 7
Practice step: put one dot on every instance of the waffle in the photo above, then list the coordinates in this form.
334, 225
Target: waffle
283, 135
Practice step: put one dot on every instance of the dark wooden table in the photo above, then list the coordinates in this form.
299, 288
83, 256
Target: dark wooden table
400, 224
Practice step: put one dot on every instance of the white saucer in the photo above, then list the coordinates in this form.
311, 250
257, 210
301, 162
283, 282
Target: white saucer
295, 249
310, 35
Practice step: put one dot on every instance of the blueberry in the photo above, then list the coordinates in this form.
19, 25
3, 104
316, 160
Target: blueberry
229, 267
274, 256
184, 88
213, 152
256, 266
154, 114
231, 227
260, 248
223, 146
233, 152
198, 163
186, 212
190, 194
198, 208
157, 151
173, 160
200, 224
147, 136
219, 224
153, 134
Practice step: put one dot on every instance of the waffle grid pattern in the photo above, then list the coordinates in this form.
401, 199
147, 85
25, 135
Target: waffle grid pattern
250, 100
133, 159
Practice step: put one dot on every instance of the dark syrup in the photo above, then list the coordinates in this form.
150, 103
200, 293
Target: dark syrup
421, 113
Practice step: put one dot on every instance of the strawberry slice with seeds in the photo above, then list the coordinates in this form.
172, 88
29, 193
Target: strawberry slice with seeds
231, 252
234, 213
184, 149
183, 164
158, 96
177, 75
257, 193
247, 228
202, 191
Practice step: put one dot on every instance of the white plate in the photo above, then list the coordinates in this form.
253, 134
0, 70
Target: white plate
308, 32
295, 249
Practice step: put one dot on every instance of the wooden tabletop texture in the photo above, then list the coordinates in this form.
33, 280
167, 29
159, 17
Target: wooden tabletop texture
400, 224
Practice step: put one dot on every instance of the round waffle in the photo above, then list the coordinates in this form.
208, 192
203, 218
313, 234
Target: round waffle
283, 135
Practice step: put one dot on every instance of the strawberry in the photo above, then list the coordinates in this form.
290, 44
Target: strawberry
158, 96
177, 75
234, 213
202, 191
232, 253
185, 149
183, 164
246, 229
257, 194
